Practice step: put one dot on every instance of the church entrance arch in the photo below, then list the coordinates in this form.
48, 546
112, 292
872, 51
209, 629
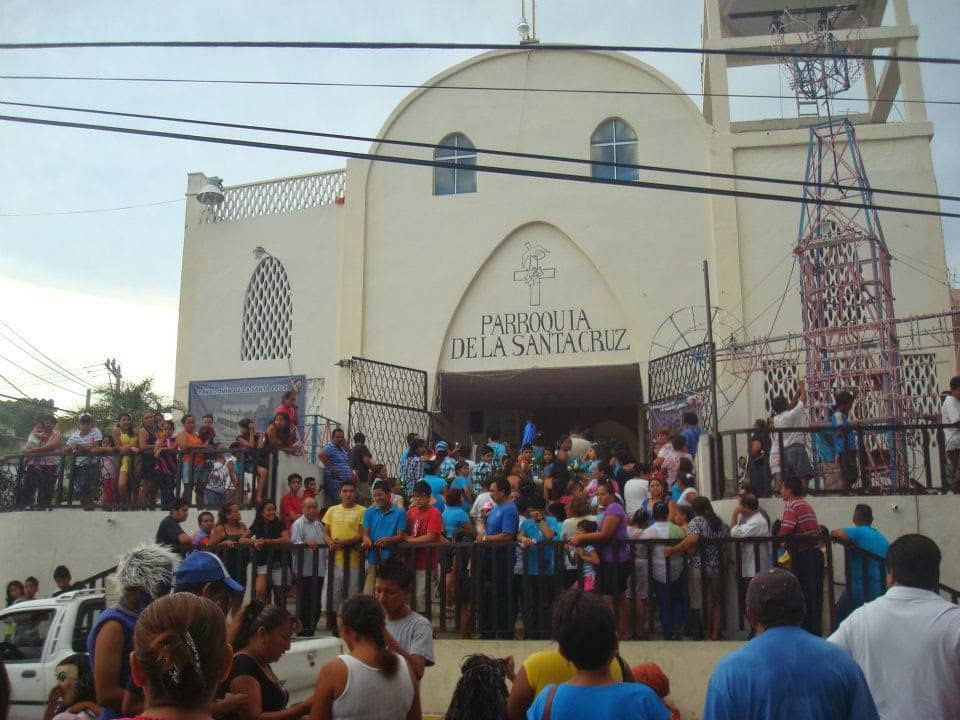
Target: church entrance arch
538, 331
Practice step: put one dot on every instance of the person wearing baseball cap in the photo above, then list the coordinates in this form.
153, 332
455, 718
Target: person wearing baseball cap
785, 671
204, 574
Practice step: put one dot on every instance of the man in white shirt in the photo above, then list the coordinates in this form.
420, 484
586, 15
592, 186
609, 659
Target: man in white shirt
950, 415
635, 491
86, 469
908, 641
309, 565
747, 522
667, 574
794, 462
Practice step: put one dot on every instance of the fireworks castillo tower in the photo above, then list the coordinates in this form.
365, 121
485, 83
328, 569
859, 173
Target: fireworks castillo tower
849, 329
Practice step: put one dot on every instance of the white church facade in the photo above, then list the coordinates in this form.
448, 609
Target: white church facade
519, 295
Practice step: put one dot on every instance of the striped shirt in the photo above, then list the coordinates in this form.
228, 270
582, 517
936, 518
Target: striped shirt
799, 519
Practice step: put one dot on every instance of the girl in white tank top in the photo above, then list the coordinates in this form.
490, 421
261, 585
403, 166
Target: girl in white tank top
371, 683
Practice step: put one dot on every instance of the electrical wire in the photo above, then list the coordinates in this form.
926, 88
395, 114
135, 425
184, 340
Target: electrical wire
537, 48
69, 375
93, 210
925, 274
8, 382
34, 401
486, 151
466, 88
32, 356
52, 384
494, 169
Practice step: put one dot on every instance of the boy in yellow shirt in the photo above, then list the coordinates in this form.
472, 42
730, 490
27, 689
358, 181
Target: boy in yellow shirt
342, 529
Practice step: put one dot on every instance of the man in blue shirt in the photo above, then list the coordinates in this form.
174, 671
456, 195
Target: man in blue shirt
437, 484
538, 534
692, 431
461, 480
336, 460
499, 532
493, 442
384, 524
865, 537
785, 672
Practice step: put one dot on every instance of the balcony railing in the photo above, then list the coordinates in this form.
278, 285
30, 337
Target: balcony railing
274, 197
889, 459
42, 481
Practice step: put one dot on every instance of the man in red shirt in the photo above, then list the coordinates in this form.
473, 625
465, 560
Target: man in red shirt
801, 533
291, 505
424, 525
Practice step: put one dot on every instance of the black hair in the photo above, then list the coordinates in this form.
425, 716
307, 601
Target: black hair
13, 584
291, 477
364, 615
640, 518
461, 464
208, 415
422, 488
183, 420
332, 432
522, 503
690, 418
201, 515
703, 507
349, 481
686, 511
380, 484
794, 485
686, 479
83, 690
588, 525
289, 394
501, 483
176, 504
537, 503
955, 382
863, 514
779, 404
453, 497
486, 450
396, 570
585, 629
224, 511
31, 579
481, 692
844, 397
61, 571
679, 442
914, 561
750, 502
359, 438
685, 465
255, 615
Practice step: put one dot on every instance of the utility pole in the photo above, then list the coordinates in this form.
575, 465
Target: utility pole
86, 407
715, 447
113, 367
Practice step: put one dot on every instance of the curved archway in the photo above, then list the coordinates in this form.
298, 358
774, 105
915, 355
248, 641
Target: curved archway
267, 313
537, 297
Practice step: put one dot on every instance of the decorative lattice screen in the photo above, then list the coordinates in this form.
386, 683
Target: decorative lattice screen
779, 378
267, 314
919, 377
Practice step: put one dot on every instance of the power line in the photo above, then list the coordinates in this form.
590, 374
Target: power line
29, 372
486, 151
540, 48
69, 375
94, 210
493, 169
481, 88
4, 378
19, 347
33, 401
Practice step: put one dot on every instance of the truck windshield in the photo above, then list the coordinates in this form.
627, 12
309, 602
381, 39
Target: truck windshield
22, 635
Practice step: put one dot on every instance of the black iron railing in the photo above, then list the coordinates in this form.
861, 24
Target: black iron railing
203, 477
879, 459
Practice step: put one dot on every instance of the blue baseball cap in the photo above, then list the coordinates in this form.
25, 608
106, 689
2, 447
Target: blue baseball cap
203, 567
442, 445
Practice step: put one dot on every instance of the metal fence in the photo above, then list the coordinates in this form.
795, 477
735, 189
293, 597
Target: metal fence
203, 477
870, 468
505, 591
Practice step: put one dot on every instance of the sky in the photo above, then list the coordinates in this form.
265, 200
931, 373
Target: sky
81, 280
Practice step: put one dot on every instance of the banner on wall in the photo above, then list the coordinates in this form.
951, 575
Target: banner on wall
229, 401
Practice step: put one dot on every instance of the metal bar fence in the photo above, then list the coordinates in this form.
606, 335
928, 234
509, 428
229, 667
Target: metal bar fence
117, 479
868, 469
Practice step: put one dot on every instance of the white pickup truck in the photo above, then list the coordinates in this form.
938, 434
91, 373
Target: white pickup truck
37, 634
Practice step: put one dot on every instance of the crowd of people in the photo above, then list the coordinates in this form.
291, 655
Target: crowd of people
152, 464
172, 655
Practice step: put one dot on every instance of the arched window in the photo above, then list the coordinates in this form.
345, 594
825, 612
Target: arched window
457, 149
614, 141
267, 313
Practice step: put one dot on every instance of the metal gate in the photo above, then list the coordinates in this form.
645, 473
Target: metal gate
674, 378
386, 403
